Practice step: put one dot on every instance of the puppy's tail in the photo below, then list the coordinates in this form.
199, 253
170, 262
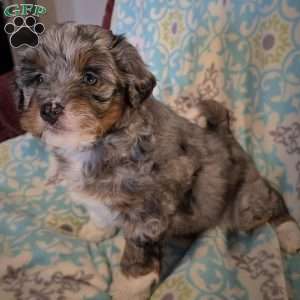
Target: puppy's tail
217, 115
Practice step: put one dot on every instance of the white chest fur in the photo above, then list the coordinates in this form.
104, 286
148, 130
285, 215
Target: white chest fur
74, 177
99, 213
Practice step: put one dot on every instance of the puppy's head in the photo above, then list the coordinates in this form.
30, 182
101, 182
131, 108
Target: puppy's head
75, 85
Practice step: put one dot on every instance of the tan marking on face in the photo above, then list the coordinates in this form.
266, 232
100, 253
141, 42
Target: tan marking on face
31, 121
80, 117
82, 123
111, 116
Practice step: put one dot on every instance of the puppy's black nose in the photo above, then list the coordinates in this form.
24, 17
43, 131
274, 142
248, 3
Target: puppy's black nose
50, 112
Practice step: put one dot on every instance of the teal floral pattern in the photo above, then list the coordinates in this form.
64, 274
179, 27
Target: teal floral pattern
41, 256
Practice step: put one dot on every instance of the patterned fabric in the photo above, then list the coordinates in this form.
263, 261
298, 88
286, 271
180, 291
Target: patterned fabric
42, 256
39, 257
245, 54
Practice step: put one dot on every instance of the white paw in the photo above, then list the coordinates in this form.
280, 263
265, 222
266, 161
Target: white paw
132, 288
289, 236
92, 233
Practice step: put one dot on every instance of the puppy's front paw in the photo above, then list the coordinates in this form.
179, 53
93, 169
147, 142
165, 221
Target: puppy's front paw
132, 288
289, 236
92, 233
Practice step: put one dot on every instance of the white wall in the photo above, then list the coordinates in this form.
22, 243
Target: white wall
80, 11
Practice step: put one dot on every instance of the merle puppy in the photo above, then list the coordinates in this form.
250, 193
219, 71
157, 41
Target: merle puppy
88, 95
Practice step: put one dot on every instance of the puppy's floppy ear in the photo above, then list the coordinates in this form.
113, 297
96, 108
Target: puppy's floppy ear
17, 93
20, 100
22, 92
139, 81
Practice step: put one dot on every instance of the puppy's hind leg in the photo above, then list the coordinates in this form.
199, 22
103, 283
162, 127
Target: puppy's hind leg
205, 204
258, 203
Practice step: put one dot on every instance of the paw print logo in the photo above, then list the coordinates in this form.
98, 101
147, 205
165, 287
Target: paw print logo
24, 31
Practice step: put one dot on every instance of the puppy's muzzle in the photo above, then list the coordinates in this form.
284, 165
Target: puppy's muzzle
50, 112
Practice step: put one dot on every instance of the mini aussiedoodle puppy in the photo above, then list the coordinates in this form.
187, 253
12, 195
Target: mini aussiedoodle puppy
88, 95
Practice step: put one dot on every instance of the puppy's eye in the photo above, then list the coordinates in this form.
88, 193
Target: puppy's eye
89, 78
38, 79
